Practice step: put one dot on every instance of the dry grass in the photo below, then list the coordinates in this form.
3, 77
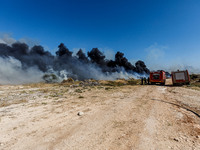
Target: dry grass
81, 97
195, 82
38, 85
108, 88
120, 82
58, 90
78, 91
5, 103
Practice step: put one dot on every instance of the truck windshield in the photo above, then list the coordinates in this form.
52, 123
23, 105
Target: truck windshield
156, 76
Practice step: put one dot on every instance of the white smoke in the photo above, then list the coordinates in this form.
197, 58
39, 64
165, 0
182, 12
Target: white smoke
109, 53
191, 69
96, 73
155, 57
30, 42
158, 58
7, 39
11, 72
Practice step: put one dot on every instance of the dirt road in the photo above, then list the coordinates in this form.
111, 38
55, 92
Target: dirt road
125, 117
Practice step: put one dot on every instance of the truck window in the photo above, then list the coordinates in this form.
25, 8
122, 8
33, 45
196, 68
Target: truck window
156, 76
180, 75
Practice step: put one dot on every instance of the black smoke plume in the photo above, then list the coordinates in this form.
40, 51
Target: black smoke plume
82, 56
19, 59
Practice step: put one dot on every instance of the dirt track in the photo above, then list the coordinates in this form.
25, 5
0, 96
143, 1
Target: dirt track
125, 117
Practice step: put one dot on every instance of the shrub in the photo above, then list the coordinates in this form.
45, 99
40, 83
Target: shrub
78, 91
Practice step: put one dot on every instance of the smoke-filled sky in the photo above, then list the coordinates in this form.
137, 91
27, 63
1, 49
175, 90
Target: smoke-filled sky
165, 34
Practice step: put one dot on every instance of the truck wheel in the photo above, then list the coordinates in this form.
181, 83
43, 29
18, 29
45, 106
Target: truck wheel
188, 83
162, 83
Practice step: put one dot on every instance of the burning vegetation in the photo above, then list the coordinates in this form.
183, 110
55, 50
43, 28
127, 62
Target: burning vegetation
21, 64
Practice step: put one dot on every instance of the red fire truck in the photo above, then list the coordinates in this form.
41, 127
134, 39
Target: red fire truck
157, 77
180, 77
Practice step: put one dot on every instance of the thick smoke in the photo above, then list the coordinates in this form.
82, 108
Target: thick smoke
21, 64
11, 72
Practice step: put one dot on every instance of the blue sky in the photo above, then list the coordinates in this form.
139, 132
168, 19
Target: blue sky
160, 32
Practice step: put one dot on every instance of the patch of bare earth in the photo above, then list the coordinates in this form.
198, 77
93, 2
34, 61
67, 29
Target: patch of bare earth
121, 117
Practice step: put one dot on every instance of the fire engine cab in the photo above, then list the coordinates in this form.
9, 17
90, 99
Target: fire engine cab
157, 77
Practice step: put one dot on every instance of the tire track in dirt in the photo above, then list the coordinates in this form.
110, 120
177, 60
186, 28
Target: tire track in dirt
165, 128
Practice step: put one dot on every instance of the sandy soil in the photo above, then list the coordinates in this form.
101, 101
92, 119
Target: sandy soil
148, 117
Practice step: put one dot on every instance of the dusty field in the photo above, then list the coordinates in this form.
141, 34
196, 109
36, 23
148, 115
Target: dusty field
122, 117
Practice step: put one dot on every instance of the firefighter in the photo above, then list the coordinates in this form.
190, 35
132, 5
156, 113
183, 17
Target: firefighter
142, 81
145, 81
